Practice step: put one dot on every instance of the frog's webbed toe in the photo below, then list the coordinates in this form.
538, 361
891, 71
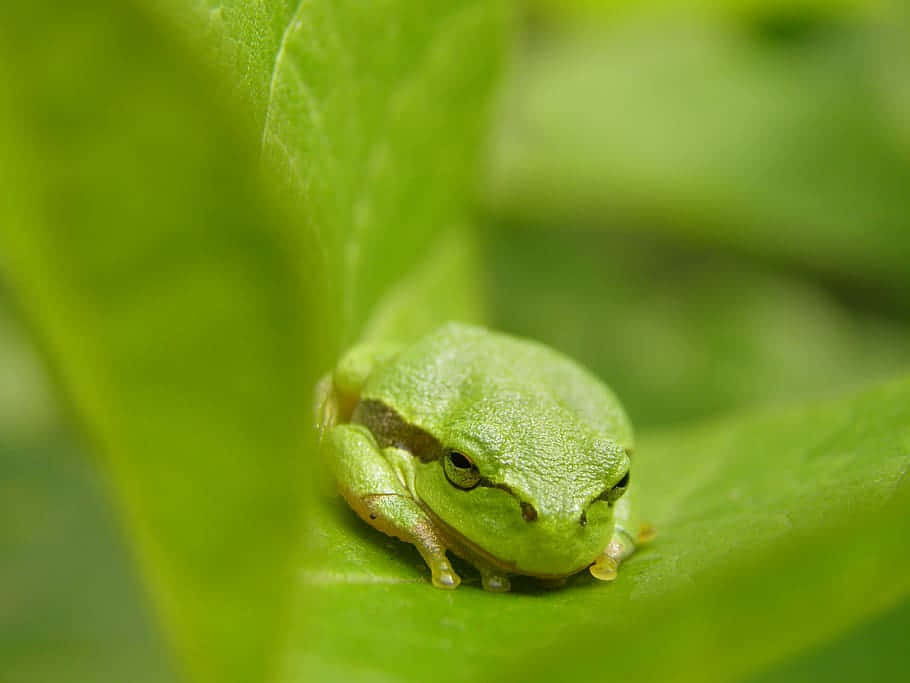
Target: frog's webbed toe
618, 549
604, 568
443, 574
494, 581
646, 533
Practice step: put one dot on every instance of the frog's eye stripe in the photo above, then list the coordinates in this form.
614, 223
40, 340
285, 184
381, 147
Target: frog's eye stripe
390, 429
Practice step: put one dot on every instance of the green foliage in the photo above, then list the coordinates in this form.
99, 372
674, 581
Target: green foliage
155, 271
373, 122
185, 308
205, 202
781, 145
73, 609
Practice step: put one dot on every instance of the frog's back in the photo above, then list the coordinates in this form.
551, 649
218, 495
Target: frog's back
457, 366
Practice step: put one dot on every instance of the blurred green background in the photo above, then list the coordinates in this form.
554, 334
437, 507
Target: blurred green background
708, 204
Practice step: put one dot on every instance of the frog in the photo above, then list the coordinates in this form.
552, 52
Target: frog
496, 448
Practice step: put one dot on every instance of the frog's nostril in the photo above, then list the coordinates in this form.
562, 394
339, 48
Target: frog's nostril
528, 512
583, 520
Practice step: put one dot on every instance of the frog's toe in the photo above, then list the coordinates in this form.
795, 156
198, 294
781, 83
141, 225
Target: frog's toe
495, 583
646, 533
444, 576
604, 568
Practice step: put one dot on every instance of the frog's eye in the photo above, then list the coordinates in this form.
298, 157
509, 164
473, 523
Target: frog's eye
460, 471
613, 494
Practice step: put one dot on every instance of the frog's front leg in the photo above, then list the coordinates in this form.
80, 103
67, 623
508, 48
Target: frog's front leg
494, 580
371, 486
622, 543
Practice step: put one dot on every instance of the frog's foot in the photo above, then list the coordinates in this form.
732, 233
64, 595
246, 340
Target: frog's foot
494, 581
604, 568
646, 533
443, 574
373, 489
619, 548
430, 546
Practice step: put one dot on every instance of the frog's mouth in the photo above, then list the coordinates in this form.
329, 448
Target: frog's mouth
480, 557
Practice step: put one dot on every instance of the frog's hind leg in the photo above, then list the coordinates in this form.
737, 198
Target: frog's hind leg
373, 489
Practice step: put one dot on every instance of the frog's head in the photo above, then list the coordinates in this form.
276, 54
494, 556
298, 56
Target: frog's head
522, 483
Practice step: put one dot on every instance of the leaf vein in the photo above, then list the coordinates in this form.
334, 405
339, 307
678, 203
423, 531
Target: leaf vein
279, 56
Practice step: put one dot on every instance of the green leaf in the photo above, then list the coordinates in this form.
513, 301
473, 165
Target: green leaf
151, 265
446, 285
246, 38
374, 121
845, 659
776, 531
190, 272
371, 119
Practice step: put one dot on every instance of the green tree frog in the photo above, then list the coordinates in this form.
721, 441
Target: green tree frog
499, 449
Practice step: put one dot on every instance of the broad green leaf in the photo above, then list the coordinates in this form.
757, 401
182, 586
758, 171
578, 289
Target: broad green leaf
189, 274
140, 244
846, 659
446, 285
374, 121
372, 118
247, 39
786, 148
776, 531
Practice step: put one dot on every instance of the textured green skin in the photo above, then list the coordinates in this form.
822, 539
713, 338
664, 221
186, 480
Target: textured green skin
531, 419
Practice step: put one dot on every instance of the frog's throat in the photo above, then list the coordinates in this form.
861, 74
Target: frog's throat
480, 557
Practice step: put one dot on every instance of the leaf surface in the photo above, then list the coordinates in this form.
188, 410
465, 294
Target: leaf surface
154, 269
776, 531
190, 272
374, 122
